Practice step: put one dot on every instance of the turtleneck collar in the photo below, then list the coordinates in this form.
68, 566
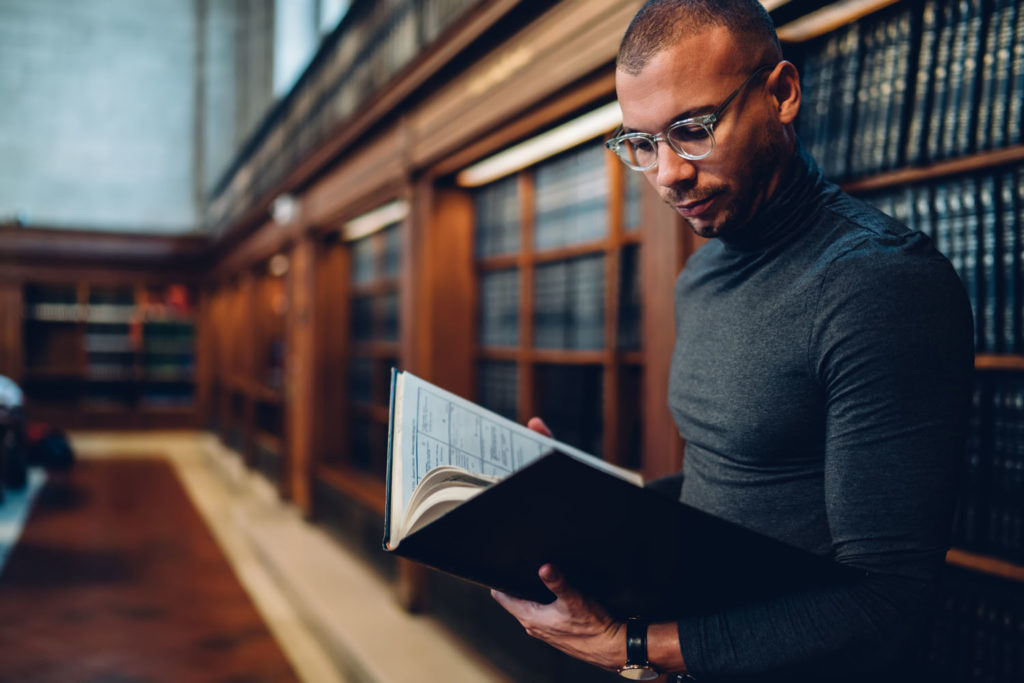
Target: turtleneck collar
784, 215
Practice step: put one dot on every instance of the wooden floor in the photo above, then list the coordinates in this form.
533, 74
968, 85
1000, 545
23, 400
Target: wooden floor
117, 579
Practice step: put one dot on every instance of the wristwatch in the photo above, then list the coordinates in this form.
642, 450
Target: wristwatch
637, 667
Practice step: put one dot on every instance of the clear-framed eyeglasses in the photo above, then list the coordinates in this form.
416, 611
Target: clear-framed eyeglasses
692, 138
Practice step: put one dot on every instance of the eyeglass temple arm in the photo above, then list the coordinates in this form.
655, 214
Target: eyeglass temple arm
718, 112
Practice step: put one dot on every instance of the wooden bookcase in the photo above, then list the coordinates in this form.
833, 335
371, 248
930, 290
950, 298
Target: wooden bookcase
945, 155
109, 354
558, 333
246, 321
358, 287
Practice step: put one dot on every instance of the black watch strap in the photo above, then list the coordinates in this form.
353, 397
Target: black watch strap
637, 667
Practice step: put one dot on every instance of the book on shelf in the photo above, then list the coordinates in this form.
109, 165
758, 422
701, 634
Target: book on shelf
485, 499
976, 629
975, 220
915, 84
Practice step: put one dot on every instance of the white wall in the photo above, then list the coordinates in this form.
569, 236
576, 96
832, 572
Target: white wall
97, 113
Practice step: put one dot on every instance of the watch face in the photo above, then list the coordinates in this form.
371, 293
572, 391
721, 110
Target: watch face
635, 672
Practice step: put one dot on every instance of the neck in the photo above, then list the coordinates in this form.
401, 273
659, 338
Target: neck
787, 198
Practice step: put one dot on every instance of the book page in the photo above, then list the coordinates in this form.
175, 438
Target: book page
439, 428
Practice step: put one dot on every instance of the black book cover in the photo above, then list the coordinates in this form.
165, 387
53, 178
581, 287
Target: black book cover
634, 550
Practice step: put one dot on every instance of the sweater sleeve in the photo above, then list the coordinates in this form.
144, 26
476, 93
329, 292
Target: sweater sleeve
891, 347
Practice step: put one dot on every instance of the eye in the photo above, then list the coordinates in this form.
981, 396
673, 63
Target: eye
688, 132
639, 145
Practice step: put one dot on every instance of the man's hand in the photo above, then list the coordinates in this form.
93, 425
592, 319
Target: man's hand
537, 425
572, 623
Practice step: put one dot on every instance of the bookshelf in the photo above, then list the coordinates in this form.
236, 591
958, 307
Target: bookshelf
945, 155
558, 329
246, 343
101, 354
359, 330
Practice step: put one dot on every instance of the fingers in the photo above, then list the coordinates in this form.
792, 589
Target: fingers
537, 425
556, 583
511, 604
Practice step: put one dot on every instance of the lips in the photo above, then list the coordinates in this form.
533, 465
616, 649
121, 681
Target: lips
695, 208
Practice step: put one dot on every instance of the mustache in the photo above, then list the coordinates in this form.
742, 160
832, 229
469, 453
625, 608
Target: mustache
676, 196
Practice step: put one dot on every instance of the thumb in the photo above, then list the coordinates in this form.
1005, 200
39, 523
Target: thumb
537, 425
554, 580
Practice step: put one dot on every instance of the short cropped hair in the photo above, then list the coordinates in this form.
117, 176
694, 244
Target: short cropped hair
660, 23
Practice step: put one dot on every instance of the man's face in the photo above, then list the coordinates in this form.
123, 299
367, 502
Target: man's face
717, 194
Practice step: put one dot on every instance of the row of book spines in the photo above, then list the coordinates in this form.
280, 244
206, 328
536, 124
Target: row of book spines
977, 222
855, 85
375, 318
371, 261
569, 302
965, 62
103, 313
571, 195
990, 510
977, 630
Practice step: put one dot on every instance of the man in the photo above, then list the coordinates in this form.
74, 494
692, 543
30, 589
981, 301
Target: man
820, 376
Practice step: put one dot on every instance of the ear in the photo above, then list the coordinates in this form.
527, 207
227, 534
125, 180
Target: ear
784, 85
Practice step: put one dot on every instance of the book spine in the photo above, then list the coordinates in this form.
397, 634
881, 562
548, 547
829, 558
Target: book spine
924, 203
1002, 54
844, 123
990, 259
940, 82
1017, 288
1014, 530
1002, 404
923, 93
956, 76
887, 124
1016, 94
902, 40
1006, 262
966, 231
967, 115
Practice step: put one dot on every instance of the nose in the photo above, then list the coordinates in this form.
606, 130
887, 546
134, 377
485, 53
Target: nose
673, 169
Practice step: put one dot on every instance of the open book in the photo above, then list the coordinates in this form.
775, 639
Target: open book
488, 500
443, 450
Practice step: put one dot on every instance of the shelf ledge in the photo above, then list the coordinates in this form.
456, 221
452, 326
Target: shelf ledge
985, 564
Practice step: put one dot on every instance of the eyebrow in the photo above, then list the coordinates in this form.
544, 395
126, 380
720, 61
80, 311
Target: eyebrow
681, 116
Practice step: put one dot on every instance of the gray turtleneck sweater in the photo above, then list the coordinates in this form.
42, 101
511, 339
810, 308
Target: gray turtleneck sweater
821, 379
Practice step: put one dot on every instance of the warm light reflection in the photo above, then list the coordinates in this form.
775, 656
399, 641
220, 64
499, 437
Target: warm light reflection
559, 139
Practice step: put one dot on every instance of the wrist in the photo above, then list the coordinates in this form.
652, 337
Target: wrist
637, 667
663, 649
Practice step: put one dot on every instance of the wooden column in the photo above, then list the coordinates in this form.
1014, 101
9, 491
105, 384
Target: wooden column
11, 324
301, 369
665, 245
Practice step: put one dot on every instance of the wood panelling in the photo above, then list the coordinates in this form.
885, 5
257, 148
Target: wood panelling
572, 40
11, 352
26, 246
666, 245
333, 349
448, 268
300, 384
363, 180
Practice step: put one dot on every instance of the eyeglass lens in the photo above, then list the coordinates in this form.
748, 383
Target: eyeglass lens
688, 138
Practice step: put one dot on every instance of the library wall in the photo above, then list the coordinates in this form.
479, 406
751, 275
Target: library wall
98, 123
